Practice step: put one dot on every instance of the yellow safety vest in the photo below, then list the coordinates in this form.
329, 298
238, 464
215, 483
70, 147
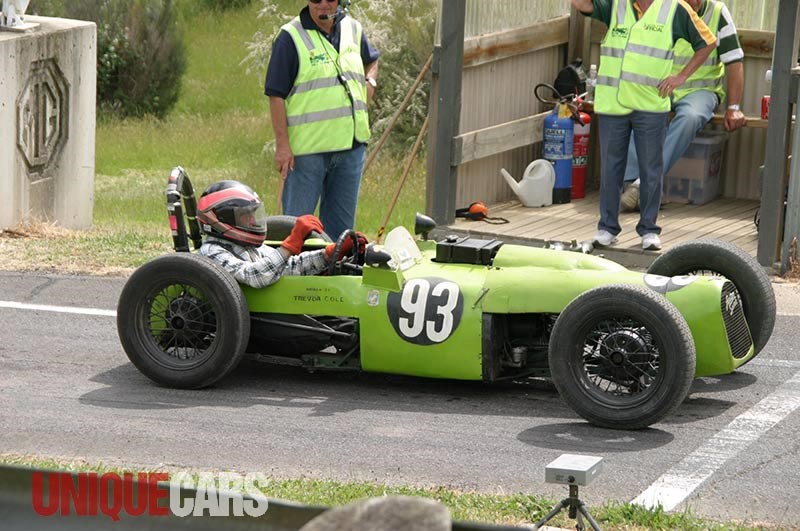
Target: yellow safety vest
327, 106
648, 59
710, 74
635, 56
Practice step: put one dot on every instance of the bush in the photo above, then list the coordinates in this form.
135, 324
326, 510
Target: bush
403, 32
140, 53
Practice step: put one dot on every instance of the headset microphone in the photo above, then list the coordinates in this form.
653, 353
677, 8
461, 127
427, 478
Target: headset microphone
333, 17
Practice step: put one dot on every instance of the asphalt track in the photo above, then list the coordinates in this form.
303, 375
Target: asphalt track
731, 451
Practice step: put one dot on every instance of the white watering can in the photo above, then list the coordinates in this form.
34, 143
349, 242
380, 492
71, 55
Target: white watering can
536, 187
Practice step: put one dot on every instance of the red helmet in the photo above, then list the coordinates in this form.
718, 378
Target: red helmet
232, 210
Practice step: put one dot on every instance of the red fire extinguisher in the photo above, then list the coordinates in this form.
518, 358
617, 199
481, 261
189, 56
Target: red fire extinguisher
580, 155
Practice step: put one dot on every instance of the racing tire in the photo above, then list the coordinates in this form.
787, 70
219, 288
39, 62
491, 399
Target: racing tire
183, 321
279, 227
727, 260
622, 356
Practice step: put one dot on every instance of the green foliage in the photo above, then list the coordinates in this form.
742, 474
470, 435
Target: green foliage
140, 52
222, 5
150, 82
403, 32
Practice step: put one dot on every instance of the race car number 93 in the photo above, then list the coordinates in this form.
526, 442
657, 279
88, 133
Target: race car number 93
427, 310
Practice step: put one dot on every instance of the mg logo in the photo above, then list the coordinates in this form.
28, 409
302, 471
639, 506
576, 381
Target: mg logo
42, 115
731, 303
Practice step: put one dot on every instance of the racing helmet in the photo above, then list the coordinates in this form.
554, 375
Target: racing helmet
232, 210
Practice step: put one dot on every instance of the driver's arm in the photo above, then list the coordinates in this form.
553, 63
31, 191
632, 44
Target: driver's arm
265, 265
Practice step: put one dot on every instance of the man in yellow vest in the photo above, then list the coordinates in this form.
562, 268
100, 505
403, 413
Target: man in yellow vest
322, 73
694, 103
634, 84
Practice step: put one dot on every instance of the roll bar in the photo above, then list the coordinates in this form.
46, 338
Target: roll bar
179, 187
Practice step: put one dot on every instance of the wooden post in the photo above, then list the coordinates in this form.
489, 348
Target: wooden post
445, 112
791, 229
780, 117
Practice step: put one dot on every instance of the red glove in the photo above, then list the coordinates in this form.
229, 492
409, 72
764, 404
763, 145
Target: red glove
304, 226
347, 246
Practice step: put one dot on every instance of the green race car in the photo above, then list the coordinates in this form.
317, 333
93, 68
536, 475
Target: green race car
621, 347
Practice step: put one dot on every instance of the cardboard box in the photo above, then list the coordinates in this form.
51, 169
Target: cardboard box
694, 178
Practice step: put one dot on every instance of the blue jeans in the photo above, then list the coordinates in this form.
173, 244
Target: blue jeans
692, 113
649, 130
334, 180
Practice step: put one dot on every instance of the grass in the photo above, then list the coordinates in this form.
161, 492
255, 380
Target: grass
508, 509
218, 130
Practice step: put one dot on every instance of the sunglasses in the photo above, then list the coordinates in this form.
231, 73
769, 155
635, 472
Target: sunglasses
320, 1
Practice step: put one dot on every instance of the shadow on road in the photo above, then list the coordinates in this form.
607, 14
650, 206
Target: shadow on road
324, 394
719, 384
257, 384
584, 438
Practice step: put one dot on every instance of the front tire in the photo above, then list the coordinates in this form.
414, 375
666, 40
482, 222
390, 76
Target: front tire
183, 321
622, 356
726, 259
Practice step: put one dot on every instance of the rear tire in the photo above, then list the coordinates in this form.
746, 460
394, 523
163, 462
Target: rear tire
726, 259
622, 356
183, 321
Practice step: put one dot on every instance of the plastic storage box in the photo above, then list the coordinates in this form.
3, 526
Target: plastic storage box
694, 179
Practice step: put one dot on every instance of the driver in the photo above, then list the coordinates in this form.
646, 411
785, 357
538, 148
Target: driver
234, 219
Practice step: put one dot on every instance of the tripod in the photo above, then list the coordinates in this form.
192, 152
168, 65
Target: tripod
577, 509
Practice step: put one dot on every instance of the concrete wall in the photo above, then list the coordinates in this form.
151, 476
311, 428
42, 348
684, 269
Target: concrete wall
47, 123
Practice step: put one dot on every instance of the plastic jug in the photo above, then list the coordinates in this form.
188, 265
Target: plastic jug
536, 187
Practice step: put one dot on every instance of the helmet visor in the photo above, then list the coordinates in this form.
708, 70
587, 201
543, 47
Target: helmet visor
252, 218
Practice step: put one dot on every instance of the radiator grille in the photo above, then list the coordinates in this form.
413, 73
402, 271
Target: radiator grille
735, 322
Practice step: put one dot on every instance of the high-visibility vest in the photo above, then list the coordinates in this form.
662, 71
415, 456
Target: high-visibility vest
327, 106
648, 59
709, 75
635, 56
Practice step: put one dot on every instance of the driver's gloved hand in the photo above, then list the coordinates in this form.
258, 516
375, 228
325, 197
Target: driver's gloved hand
304, 226
347, 246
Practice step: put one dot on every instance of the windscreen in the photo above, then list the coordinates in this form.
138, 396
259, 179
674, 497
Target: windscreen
401, 245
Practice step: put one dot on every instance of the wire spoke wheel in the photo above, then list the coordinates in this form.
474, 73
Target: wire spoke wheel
182, 324
183, 321
622, 356
620, 361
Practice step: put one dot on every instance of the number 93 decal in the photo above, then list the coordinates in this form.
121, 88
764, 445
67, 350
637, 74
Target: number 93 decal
427, 311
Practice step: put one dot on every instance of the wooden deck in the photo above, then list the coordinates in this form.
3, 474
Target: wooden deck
726, 219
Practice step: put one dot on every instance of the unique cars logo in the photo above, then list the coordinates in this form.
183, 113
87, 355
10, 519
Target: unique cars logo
151, 493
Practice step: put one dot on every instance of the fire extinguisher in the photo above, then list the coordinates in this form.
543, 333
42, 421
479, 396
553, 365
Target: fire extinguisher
580, 155
558, 136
